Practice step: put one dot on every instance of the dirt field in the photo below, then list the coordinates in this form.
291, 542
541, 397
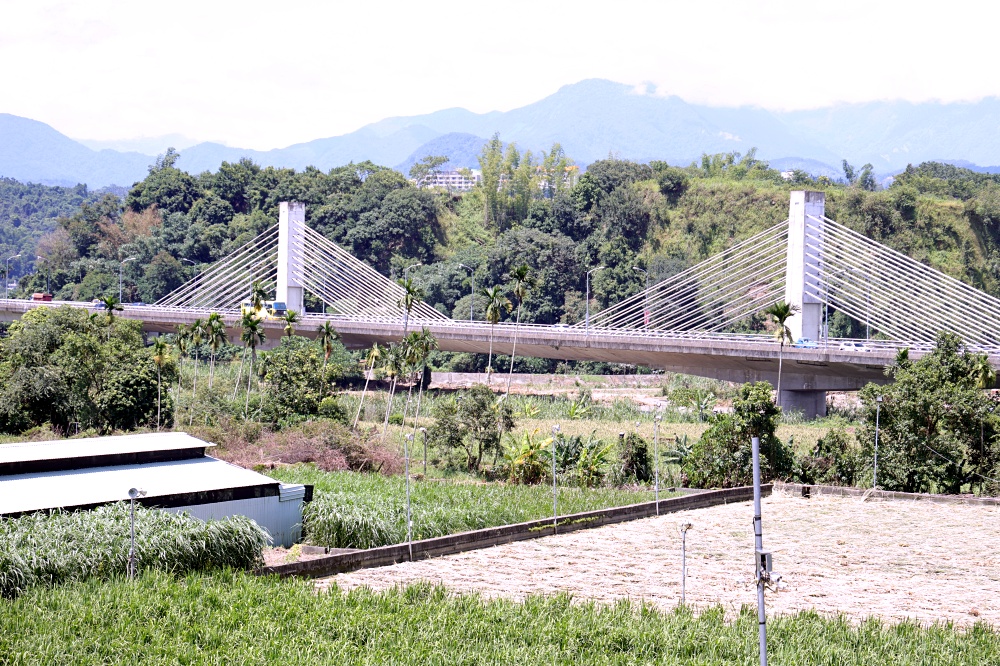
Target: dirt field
837, 555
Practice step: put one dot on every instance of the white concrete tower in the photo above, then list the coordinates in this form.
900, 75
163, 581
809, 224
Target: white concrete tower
802, 272
291, 239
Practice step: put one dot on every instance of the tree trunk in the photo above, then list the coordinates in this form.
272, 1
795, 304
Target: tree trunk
513, 348
489, 360
392, 393
239, 375
360, 404
158, 397
322, 392
777, 395
246, 405
211, 372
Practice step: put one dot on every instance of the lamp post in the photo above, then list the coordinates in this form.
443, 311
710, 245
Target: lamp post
133, 494
555, 495
409, 521
6, 276
878, 412
587, 317
39, 258
120, 270
645, 298
472, 293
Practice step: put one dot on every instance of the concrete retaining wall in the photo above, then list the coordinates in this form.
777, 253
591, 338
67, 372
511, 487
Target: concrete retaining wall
805, 490
495, 536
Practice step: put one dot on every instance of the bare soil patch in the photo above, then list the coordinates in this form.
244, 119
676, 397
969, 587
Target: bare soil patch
890, 559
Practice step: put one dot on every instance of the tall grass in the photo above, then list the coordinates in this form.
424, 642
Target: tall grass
50, 548
234, 618
351, 510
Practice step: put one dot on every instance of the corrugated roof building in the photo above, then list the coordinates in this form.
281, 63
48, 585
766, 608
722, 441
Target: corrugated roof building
172, 468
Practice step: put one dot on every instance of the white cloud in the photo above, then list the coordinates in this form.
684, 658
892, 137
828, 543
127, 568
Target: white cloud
265, 74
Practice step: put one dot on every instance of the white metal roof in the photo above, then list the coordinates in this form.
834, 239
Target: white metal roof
98, 446
84, 487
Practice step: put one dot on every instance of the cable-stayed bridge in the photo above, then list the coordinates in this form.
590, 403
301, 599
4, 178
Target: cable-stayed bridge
688, 323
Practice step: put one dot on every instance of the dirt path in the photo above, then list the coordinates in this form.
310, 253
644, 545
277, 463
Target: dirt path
892, 559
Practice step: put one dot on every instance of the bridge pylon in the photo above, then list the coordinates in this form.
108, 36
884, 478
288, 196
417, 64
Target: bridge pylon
291, 240
804, 263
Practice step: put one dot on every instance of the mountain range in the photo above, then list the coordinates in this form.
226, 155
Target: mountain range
591, 119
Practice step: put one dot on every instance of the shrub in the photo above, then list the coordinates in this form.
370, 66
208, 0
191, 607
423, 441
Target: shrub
637, 463
331, 408
722, 456
472, 424
834, 460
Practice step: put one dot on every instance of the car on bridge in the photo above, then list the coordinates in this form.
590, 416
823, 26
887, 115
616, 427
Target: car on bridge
854, 346
805, 343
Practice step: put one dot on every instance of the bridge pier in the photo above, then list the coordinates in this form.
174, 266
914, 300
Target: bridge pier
291, 238
811, 403
804, 263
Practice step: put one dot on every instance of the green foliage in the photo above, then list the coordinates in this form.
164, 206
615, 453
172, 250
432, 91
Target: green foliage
331, 408
937, 427
52, 548
291, 376
229, 616
722, 457
64, 365
524, 458
351, 510
472, 422
835, 460
637, 460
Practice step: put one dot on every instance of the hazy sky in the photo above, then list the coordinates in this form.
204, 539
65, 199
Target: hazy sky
268, 74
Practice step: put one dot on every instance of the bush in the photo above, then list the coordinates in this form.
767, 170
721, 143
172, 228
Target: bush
722, 457
472, 423
834, 460
637, 463
331, 408
51, 548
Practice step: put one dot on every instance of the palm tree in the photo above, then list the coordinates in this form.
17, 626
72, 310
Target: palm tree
326, 335
161, 356
247, 320
252, 335
374, 354
393, 366
216, 330
779, 313
983, 373
197, 330
495, 304
291, 318
523, 280
111, 305
411, 296
257, 295
181, 340
423, 345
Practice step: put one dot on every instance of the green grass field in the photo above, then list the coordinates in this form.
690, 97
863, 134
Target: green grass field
235, 618
352, 510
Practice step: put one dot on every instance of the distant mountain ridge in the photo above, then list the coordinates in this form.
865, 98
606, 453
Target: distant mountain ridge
591, 119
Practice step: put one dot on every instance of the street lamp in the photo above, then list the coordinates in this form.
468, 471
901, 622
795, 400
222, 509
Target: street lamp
120, 269
6, 276
587, 318
133, 494
39, 258
645, 298
472, 305
878, 412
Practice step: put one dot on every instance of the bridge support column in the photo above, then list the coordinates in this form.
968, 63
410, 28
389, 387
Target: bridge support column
811, 403
291, 238
804, 262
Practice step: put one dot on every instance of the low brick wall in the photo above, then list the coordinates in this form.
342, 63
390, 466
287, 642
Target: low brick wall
495, 536
805, 490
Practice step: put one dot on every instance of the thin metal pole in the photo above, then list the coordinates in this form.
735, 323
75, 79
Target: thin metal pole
409, 521
656, 460
684, 567
758, 547
878, 410
555, 489
424, 432
131, 551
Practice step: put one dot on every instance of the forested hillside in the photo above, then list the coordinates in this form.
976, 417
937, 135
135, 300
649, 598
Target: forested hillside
529, 209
